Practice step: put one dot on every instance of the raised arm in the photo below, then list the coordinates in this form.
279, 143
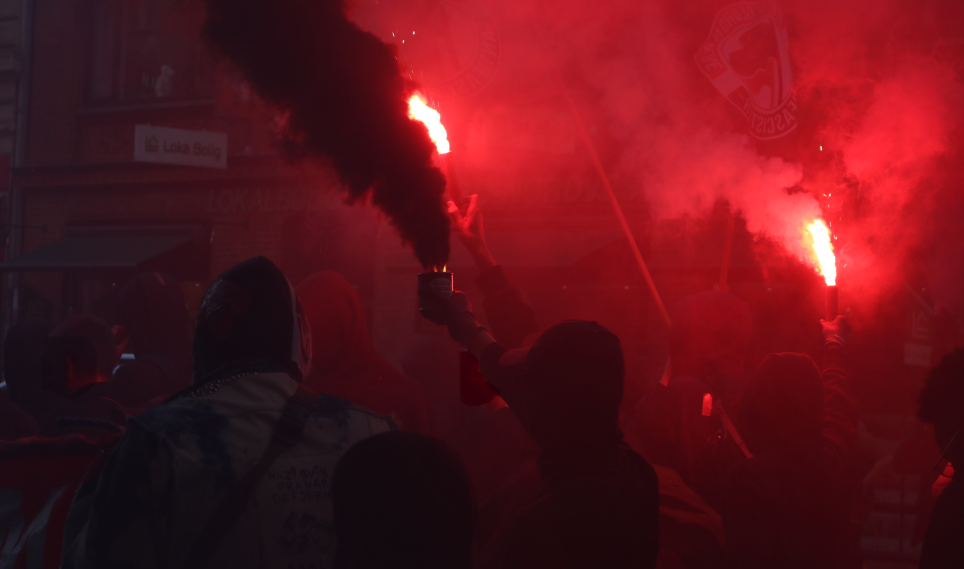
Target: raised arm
839, 410
510, 317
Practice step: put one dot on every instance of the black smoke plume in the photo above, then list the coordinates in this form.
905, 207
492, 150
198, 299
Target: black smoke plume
345, 101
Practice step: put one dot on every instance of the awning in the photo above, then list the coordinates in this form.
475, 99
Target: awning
97, 251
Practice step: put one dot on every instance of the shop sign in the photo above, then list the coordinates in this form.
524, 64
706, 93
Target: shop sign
178, 146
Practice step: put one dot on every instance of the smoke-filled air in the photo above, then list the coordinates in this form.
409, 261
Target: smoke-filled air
482, 284
786, 112
342, 99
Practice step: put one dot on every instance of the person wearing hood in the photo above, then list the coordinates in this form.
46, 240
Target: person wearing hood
235, 470
942, 404
687, 421
153, 322
790, 505
600, 501
344, 361
79, 356
402, 501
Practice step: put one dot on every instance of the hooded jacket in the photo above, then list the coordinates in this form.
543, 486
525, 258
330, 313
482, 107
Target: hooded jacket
790, 505
344, 361
178, 461
600, 501
672, 425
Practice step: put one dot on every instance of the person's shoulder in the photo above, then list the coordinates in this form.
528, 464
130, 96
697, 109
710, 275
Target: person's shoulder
343, 412
177, 415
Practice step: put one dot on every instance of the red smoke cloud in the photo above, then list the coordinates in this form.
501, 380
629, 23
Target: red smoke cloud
874, 115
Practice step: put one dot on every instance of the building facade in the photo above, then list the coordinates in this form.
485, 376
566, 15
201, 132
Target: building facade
86, 212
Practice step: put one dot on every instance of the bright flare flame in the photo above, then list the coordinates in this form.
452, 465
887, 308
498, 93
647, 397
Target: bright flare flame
824, 251
418, 110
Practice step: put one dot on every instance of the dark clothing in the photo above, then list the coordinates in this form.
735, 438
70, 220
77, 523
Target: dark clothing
134, 384
15, 423
402, 501
944, 542
690, 531
511, 322
87, 404
598, 501
598, 511
670, 429
344, 361
790, 505
601, 504
250, 320
678, 425
179, 461
510, 318
917, 453
41, 480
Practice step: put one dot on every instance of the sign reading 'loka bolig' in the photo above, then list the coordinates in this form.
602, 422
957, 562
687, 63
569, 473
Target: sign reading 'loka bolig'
747, 57
179, 146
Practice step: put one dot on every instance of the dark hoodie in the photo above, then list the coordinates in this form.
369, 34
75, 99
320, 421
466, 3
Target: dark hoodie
178, 462
152, 308
790, 505
402, 501
250, 321
344, 361
600, 503
711, 331
942, 403
79, 356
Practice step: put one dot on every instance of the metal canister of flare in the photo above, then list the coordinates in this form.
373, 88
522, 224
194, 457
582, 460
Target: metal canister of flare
831, 303
440, 282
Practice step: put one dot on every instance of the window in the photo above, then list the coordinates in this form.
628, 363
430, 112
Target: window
148, 51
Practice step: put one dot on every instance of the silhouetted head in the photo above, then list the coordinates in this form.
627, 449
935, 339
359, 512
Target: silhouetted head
942, 403
151, 308
337, 319
23, 357
710, 333
783, 403
402, 500
573, 384
250, 321
81, 351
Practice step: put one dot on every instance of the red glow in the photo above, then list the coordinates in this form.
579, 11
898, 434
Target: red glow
418, 110
824, 251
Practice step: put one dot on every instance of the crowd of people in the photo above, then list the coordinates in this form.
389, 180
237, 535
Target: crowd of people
278, 437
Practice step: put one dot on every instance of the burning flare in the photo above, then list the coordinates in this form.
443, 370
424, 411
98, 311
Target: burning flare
418, 110
824, 251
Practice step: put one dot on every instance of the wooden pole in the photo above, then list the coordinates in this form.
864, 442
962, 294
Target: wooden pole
727, 248
616, 207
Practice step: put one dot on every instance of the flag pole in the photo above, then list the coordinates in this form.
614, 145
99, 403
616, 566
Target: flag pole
616, 207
